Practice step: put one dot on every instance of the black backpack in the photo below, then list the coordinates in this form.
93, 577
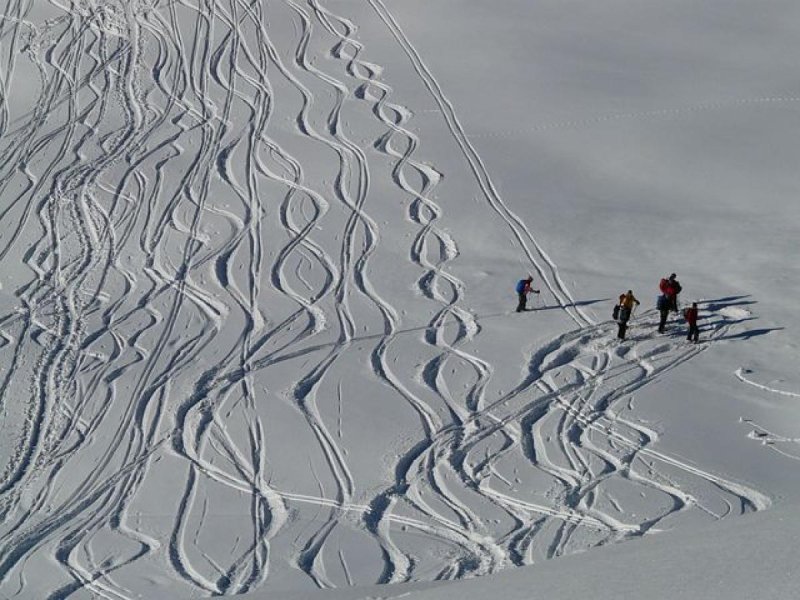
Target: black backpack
615, 312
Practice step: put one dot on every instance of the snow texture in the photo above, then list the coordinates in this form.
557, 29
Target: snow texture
257, 262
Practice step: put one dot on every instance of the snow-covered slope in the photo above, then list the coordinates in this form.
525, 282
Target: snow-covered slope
257, 264
749, 558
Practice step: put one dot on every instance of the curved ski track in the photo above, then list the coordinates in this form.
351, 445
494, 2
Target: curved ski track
178, 277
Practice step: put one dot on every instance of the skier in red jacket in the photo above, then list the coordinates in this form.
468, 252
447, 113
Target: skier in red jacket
670, 287
690, 314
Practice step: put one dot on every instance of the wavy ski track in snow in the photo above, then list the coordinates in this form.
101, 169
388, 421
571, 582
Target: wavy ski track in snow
177, 255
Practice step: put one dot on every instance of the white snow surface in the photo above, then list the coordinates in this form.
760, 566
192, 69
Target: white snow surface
257, 336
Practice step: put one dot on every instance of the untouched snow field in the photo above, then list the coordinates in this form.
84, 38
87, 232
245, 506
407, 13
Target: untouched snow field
257, 261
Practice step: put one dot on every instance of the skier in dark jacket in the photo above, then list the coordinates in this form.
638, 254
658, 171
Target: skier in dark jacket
523, 289
690, 314
626, 302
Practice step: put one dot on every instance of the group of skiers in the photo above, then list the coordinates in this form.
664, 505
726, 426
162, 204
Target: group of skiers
667, 301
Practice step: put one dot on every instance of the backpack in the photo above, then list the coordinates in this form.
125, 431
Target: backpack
521, 286
615, 312
662, 303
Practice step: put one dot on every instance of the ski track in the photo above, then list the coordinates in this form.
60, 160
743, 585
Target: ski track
155, 315
775, 442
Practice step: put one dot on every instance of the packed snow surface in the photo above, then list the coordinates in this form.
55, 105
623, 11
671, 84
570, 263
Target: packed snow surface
257, 268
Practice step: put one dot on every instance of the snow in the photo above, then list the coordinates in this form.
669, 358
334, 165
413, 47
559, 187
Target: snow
659, 567
256, 299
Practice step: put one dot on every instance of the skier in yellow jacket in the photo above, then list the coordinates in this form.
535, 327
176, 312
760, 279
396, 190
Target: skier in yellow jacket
626, 304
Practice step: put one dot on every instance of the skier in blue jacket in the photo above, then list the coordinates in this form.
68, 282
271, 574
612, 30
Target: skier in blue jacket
523, 289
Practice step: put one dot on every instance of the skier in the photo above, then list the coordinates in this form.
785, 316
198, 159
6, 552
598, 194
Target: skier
626, 302
662, 304
670, 287
690, 314
523, 289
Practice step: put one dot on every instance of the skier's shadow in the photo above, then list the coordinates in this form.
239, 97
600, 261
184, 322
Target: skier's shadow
751, 333
569, 305
726, 302
714, 306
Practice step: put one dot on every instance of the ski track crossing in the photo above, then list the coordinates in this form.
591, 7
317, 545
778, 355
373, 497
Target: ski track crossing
179, 277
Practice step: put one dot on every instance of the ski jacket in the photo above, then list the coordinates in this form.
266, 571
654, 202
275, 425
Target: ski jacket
690, 314
628, 301
670, 287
